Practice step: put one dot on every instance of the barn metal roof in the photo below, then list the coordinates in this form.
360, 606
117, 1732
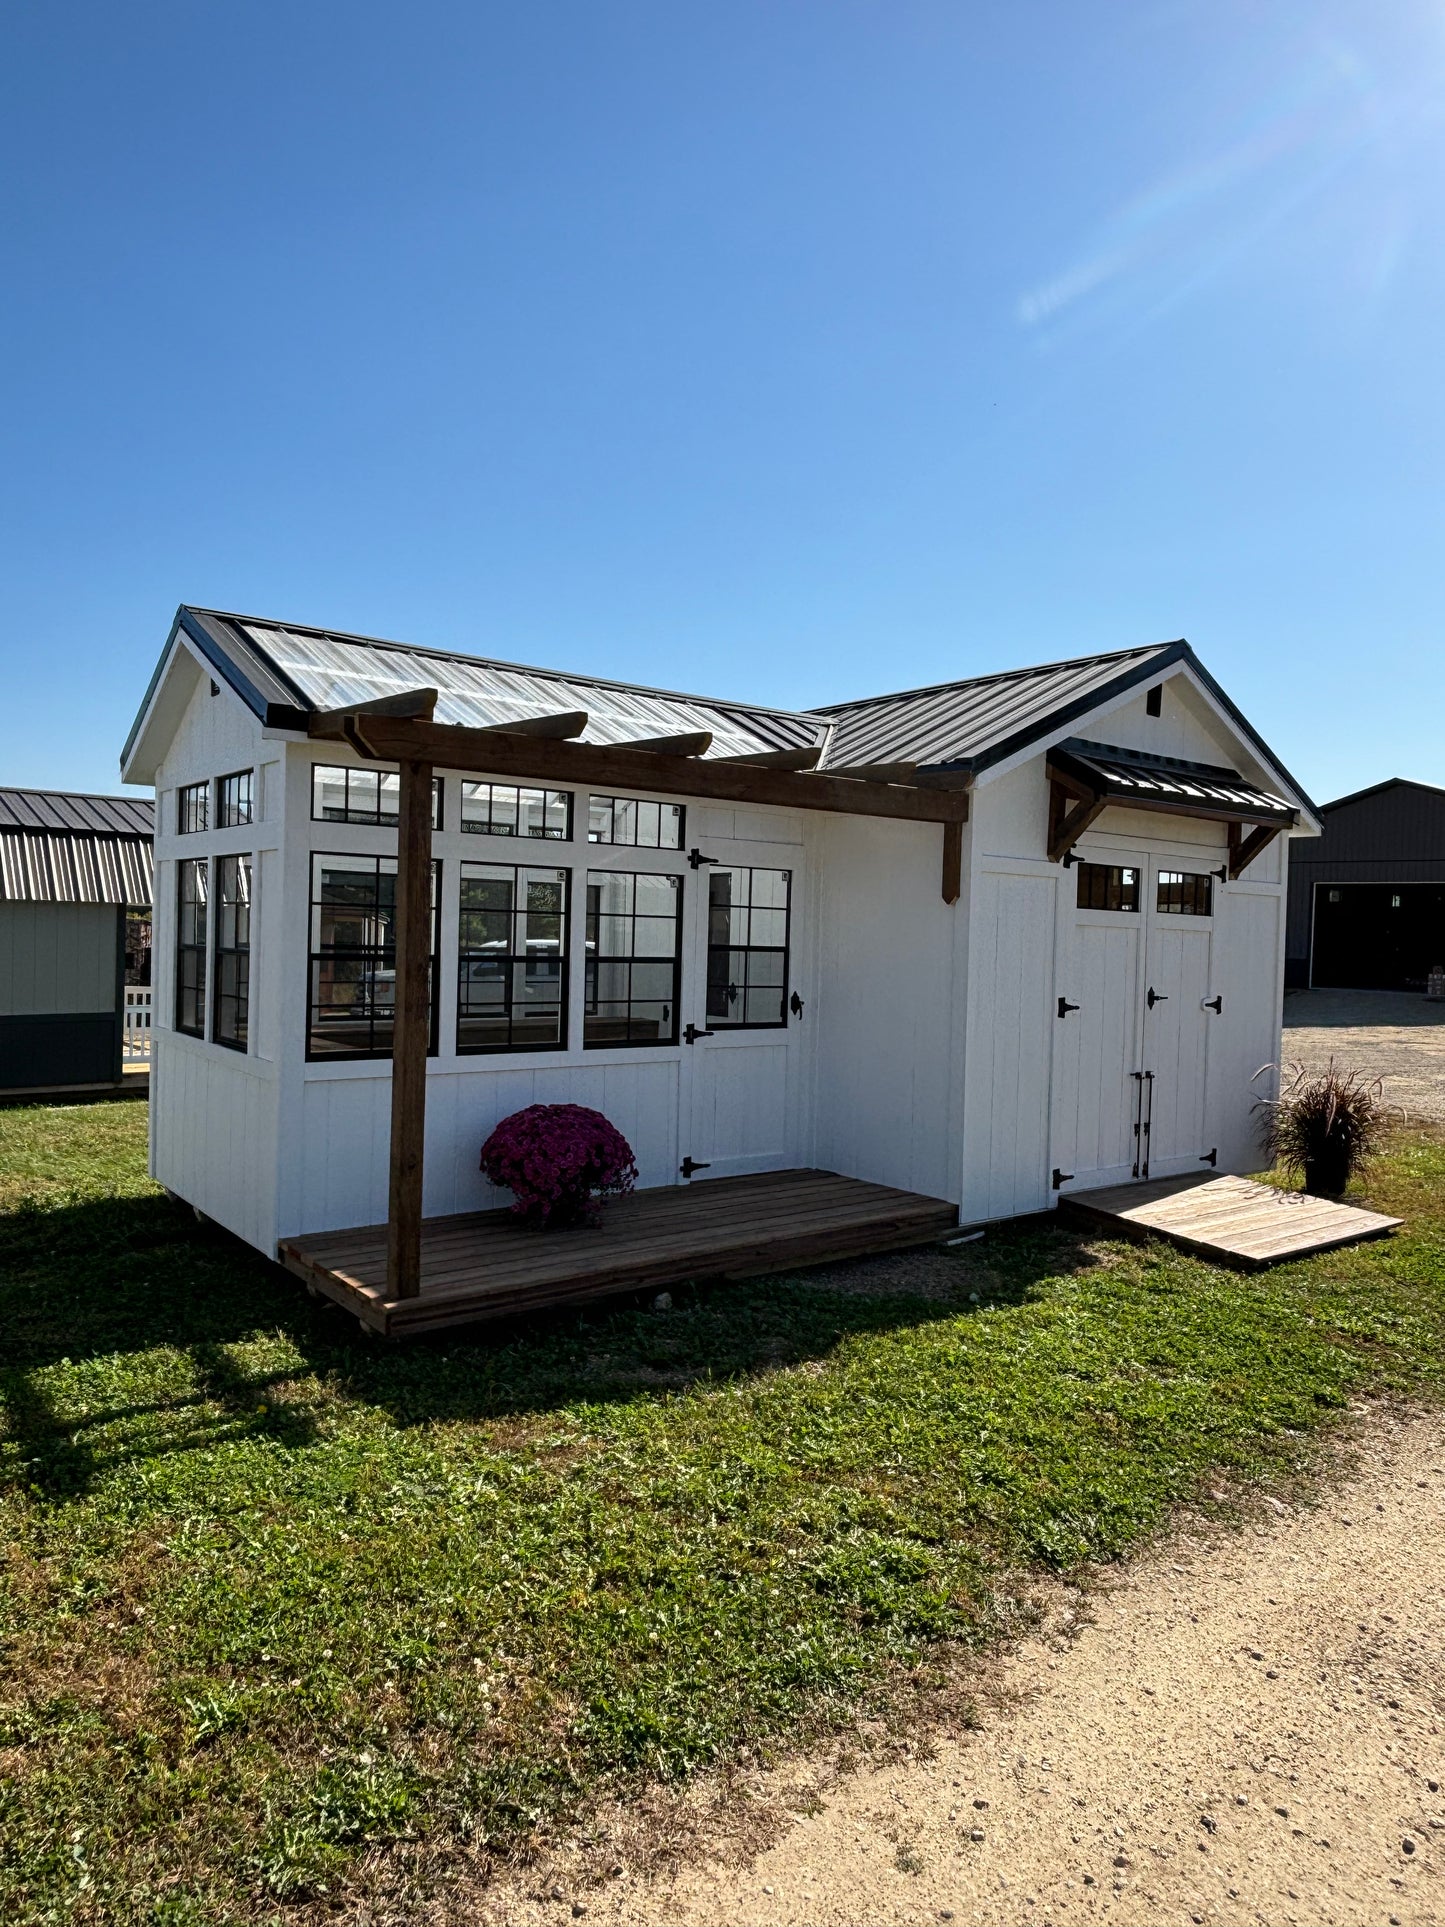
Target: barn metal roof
60, 848
284, 671
968, 725
1131, 775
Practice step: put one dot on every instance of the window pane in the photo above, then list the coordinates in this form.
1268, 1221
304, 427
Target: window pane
633, 823
748, 933
353, 955
634, 932
1103, 886
511, 971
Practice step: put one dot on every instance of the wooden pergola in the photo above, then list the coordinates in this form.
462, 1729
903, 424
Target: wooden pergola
401, 729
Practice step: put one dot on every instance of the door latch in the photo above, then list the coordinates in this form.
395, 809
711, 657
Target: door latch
1216, 1004
692, 1033
697, 859
795, 1004
1156, 997
689, 1165
1065, 1006
1061, 1178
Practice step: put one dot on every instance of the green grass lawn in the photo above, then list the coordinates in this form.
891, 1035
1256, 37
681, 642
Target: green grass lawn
278, 1598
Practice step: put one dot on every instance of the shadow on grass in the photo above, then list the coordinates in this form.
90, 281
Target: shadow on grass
116, 1279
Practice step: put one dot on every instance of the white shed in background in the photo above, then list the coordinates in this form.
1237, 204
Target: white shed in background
744, 969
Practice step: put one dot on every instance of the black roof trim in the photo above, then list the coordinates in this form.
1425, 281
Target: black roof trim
1378, 789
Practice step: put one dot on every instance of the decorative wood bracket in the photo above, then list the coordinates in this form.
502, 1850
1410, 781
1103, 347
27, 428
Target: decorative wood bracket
952, 862
1072, 808
1244, 849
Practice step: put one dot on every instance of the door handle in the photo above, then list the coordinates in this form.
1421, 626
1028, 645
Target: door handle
1216, 1004
1065, 1006
1156, 997
795, 1004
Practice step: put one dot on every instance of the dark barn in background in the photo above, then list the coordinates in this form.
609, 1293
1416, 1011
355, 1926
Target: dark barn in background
75, 900
1367, 899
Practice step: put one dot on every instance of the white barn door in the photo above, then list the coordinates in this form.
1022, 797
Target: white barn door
742, 1077
1176, 1037
1096, 1047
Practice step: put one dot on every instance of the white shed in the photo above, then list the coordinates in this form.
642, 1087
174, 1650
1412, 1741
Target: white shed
964, 948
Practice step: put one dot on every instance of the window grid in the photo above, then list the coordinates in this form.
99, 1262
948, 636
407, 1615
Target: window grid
634, 956
193, 809
507, 809
1184, 893
235, 799
190, 1015
340, 794
231, 997
351, 977
747, 948
1107, 886
511, 959
635, 825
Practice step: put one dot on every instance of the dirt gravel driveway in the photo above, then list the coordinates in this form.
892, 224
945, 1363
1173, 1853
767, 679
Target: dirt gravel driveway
1252, 1730
1387, 1033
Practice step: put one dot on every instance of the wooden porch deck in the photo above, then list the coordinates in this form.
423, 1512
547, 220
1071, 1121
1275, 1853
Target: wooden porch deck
1233, 1220
483, 1264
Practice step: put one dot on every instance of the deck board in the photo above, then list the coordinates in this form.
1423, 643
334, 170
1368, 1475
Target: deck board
1229, 1218
484, 1264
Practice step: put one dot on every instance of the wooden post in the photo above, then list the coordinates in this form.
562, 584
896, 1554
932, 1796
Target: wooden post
410, 1031
952, 862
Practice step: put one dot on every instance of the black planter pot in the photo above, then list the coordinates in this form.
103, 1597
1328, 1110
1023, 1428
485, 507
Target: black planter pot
1328, 1172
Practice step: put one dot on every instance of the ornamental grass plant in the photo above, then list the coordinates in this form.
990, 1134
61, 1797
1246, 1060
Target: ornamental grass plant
1324, 1126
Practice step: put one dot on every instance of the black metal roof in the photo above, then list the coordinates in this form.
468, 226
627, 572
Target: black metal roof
66, 811
1379, 789
1135, 776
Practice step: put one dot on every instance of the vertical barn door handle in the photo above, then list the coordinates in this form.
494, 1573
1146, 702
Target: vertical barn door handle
1065, 1006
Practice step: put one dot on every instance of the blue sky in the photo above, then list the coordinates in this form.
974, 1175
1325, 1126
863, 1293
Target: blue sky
782, 349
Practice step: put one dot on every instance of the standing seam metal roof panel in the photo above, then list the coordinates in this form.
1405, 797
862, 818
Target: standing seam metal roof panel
45, 867
962, 722
87, 815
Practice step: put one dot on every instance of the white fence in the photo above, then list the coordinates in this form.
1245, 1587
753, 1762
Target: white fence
136, 1041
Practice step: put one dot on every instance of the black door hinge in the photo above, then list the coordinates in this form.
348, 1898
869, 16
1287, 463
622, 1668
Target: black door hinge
692, 1033
1216, 1004
1061, 1178
795, 1004
1211, 1157
689, 1165
697, 859
1065, 1006
1156, 997
1222, 873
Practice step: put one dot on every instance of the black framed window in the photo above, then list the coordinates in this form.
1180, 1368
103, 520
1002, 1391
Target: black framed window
1107, 886
231, 992
635, 825
235, 799
352, 967
191, 920
505, 809
1184, 893
369, 796
193, 809
512, 958
634, 958
747, 947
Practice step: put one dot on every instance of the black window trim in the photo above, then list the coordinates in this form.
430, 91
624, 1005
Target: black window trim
781, 1022
565, 959
243, 1045
638, 1043
203, 950
1087, 867
544, 790
243, 822
434, 1001
201, 789
377, 822
610, 843
1185, 878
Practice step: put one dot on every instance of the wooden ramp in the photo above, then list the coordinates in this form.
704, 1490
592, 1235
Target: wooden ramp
484, 1264
1230, 1219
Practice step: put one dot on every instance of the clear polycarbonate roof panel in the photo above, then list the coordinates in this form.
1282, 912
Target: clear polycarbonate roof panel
332, 671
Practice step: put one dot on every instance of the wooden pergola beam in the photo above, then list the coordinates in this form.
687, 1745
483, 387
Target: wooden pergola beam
406, 703
608, 766
695, 742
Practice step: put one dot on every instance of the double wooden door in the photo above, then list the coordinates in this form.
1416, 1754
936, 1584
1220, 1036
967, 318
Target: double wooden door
1131, 1029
